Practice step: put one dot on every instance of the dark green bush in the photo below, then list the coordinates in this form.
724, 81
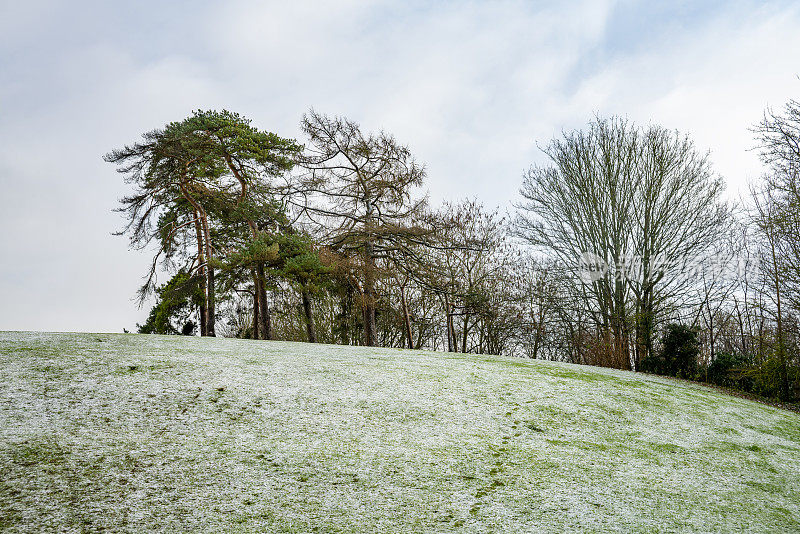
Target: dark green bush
720, 370
176, 301
680, 348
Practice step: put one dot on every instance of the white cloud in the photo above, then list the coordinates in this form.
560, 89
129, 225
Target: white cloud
713, 83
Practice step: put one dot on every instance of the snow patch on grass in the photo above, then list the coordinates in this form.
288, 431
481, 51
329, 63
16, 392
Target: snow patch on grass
136, 433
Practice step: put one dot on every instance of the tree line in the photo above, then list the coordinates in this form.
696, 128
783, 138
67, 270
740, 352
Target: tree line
621, 252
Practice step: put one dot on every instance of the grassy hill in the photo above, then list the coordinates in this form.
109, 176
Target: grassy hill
133, 433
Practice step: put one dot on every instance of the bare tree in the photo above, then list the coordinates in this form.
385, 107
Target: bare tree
765, 216
776, 213
641, 201
679, 217
358, 190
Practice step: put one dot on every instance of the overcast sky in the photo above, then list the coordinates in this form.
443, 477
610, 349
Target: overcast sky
471, 87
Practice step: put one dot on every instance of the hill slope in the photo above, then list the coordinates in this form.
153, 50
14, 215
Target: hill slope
128, 432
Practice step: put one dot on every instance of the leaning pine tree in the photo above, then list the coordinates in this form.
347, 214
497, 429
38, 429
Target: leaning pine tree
175, 188
209, 173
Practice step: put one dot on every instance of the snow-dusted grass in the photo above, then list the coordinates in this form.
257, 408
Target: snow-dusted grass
136, 433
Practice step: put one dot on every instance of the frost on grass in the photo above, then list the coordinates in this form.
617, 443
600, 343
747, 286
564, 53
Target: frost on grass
136, 433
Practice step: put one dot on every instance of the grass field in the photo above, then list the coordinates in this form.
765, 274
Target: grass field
153, 433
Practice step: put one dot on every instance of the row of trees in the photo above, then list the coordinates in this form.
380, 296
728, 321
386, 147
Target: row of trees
329, 239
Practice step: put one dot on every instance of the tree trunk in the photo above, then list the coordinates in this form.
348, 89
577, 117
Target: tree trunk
740, 320
344, 315
203, 313
465, 333
209, 253
622, 358
644, 319
451, 343
781, 347
210, 310
210, 290
711, 336
312, 333
265, 322
369, 296
256, 307
537, 336
201, 260
644, 326
406, 318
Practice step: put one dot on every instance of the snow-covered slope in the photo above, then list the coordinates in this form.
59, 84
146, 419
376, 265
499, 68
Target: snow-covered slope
135, 433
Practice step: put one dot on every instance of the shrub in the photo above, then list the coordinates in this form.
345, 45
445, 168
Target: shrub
680, 348
177, 300
765, 380
719, 372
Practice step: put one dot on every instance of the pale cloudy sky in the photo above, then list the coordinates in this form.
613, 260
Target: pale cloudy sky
472, 87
